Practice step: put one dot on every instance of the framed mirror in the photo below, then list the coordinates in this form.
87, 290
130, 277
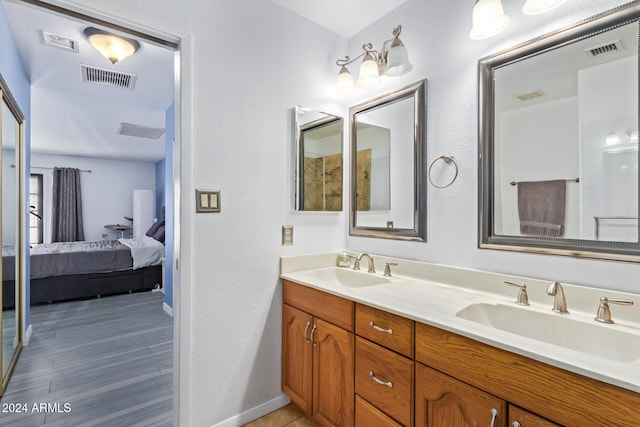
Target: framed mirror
388, 142
12, 129
319, 164
558, 143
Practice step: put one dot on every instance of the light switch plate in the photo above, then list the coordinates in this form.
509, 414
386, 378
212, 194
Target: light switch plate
287, 235
207, 201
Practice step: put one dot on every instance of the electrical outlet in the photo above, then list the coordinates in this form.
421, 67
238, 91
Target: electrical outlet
287, 235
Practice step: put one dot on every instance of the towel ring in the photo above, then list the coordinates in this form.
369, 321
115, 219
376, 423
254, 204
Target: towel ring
448, 159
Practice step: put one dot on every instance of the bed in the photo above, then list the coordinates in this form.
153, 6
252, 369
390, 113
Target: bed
72, 270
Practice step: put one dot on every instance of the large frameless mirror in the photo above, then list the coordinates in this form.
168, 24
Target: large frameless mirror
388, 142
12, 128
559, 141
319, 161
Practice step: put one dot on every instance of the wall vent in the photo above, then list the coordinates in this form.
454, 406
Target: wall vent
106, 77
530, 95
139, 131
604, 49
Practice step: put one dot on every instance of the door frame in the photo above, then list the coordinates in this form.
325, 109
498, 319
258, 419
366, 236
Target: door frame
181, 41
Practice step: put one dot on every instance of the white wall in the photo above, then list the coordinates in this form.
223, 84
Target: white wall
107, 192
553, 149
251, 63
609, 105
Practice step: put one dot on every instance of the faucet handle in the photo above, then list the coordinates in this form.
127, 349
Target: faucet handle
523, 297
387, 268
604, 312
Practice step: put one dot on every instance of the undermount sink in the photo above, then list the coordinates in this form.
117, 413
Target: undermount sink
552, 328
344, 277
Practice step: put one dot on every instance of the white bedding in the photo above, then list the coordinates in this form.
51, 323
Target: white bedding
145, 251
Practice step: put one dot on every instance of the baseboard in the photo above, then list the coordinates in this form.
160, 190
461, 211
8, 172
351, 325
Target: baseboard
255, 412
27, 336
167, 309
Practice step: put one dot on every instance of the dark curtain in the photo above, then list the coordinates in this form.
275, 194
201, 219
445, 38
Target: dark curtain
67, 206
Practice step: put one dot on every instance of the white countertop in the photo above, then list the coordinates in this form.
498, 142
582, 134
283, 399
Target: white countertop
432, 294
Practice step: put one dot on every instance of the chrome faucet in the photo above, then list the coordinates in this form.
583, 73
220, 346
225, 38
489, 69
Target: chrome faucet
559, 301
356, 263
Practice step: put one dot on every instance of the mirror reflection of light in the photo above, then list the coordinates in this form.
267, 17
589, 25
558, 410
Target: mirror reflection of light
612, 139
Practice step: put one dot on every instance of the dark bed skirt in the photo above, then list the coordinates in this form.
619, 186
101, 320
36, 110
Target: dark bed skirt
62, 288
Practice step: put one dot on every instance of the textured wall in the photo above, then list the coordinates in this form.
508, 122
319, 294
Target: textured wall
437, 36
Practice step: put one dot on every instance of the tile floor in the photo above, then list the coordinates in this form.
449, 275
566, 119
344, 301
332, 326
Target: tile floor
289, 416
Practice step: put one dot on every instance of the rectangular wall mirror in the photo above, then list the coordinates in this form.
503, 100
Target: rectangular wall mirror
319, 164
388, 198
559, 141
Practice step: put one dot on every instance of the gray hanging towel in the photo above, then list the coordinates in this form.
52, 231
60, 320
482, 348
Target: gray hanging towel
541, 207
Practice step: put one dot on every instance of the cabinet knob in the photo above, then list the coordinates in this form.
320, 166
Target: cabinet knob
516, 424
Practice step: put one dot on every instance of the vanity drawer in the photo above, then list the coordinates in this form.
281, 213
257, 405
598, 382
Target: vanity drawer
385, 379
331, 308
368, 415
392, 331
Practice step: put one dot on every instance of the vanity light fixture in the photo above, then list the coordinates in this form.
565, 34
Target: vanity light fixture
392, 60
489, 18
112, 47
535, 7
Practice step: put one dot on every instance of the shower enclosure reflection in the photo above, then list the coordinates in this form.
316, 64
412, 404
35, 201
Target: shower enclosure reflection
319, 160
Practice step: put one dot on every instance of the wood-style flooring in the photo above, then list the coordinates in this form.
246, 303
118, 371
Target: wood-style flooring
100, 362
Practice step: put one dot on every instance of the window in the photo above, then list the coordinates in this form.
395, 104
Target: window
35, 207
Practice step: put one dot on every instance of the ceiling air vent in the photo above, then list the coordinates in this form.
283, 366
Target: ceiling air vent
604, 49
107, 77
140, 131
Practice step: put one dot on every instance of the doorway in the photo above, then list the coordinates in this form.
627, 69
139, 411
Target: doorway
166, 202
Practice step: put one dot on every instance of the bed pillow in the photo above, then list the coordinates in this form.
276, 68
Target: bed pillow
154, 228
159, 234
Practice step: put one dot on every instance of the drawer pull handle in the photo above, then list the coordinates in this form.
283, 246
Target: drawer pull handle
305, 331
387, 383
516, 424
379, 329
494, 415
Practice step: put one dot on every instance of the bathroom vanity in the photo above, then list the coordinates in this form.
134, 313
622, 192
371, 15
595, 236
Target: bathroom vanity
424, 347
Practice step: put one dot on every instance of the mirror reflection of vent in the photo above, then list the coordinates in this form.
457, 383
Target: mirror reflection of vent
604, 49
106, 77
139, 131
530, 95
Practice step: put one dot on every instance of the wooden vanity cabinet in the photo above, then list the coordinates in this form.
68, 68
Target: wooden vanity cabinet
384, 375
318, 354
552, 393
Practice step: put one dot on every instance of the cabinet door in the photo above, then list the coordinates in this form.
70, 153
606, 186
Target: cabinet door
518, 417
296, 356
333, 373
442, 401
